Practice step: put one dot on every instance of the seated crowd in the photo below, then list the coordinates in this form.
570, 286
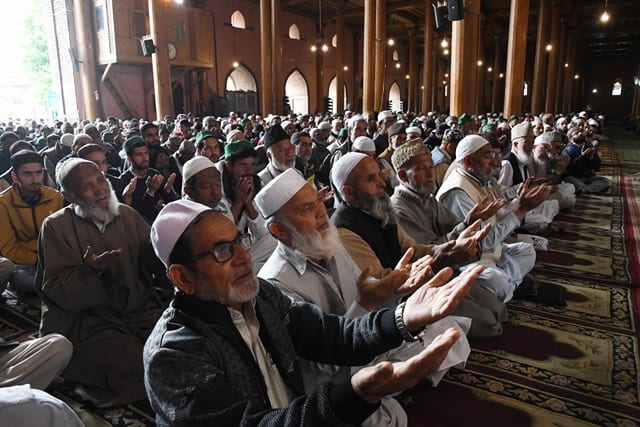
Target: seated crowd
279, 269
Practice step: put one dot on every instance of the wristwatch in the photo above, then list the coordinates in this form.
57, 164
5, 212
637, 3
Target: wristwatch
406, 335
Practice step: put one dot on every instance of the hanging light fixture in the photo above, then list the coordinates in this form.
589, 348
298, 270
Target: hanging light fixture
605, 15
320, 36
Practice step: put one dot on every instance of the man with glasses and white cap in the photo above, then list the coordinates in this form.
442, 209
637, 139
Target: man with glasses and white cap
224, 352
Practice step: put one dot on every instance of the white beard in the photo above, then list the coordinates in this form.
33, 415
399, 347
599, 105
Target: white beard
103, 215
523, 158
315, 246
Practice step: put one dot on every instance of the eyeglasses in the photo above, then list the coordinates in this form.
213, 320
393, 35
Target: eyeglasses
223, 251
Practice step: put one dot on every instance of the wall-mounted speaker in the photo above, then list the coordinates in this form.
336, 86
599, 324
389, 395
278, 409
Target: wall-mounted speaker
455, 10
148, 48
440, 14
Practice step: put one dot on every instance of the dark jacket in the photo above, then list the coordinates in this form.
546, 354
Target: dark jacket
199, 371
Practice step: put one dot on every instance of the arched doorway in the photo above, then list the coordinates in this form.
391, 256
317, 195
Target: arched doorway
297, 90
333, 93
241, 90
395, 102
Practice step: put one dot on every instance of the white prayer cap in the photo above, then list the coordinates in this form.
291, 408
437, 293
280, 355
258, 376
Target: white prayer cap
279, 191
324, 125
413, 129
543, 138
234, 133
285, 124
469, 145
170, 223
63, 170
384, 115
343, 167
583, 115
593, 122
66, 140
194, 166
363, 143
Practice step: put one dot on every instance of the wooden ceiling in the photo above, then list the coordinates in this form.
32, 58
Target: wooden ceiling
619, 37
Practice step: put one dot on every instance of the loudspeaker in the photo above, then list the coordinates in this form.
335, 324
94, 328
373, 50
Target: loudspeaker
148, 48
440, 14
456, 9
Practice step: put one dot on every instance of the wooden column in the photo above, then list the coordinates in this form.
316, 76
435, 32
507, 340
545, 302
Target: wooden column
266, 66
380, 54
516, 56
478, 106
540, 64
559, 80
368, 63
429, 63
163, 92
412, 83
86, 60
553, 57
464, 57
319, 79
340, 58
568, 74
435, 82
495, 75
277, 84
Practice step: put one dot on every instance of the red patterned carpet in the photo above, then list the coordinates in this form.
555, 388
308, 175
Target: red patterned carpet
570, 366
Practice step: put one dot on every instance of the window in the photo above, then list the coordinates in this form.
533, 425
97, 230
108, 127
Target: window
396, 57
180, 32
237, 20
138, 24
525, 91
294, 32
617, 89
100, 18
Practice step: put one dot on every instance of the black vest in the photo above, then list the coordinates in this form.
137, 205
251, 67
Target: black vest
515, 165
383, 241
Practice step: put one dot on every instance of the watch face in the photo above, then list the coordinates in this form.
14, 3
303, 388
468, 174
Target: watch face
172, 50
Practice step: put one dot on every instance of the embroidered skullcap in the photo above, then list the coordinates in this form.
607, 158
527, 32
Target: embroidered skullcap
131, 143
343, 167
414, 129
234, 147
385, 115
406, 152
66, 140
194, 166
543, 138
85, 150
63, 171
469, 145
324, 125
522, 130
396, 129
25, 156
171, 223
363, 143
204, 134
233, 133
279, 191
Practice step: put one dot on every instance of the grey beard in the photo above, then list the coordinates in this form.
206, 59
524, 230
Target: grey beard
422, 190
523, 158
103, 215
378, 207
282, 166
315, 246
540, 165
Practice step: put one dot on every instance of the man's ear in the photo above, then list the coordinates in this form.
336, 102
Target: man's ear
268, 153
280, 232
347, 192
14, 176
402, 175
182, 277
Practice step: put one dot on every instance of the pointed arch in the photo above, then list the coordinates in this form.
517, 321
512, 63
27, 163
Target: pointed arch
334, 40
395, 56
395, 100
241, 90
297, 90
237, 20
333, 93
294, 32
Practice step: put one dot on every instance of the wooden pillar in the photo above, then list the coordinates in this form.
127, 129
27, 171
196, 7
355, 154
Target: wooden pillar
553, 57
568, 74
412, 83
319, 79
368, 63
86, 59
516, 56
495, 75
464, 58
340, 58
266, 67
158, 9
559, 79
435, 83
540, 65
429, 63
277, 84
478, 106
380, 54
